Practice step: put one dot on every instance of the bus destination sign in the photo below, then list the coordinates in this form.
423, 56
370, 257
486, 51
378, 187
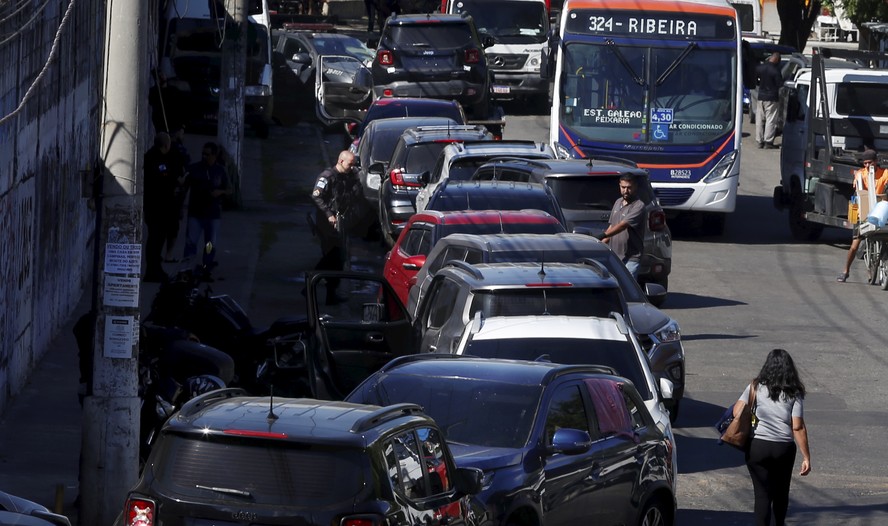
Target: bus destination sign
651, 24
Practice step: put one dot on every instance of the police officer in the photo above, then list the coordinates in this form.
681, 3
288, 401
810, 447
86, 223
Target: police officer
338, 196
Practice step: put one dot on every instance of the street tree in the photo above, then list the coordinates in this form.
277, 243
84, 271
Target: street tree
797, 18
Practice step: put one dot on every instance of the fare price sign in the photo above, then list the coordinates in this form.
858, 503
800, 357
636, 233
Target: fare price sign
651, 24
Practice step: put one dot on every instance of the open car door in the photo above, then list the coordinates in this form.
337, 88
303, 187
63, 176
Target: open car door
359, 325
343, 89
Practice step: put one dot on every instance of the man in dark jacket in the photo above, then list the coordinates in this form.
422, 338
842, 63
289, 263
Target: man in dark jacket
207, 183
339, 199
769, 81
163, 175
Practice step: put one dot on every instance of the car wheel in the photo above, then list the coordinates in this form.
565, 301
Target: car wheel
800, 228
656, 513
658, 301
384, 225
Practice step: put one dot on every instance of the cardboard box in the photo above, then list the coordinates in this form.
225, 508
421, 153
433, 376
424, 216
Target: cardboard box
862, 205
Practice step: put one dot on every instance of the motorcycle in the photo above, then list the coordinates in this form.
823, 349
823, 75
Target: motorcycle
172, 370
265, 359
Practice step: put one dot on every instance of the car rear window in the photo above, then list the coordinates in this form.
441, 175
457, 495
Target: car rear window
422, 156
433, 36
620, 355
383, 144
270, 473
465, 199
593, 192
505, 228
567, 301
502, 413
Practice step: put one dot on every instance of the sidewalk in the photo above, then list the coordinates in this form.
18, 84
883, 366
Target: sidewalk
264, 248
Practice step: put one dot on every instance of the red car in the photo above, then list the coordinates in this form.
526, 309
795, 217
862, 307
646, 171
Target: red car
424, 229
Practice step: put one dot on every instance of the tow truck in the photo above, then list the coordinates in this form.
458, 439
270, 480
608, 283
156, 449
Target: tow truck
832, 115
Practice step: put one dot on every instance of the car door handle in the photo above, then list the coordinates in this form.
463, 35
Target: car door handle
375, 337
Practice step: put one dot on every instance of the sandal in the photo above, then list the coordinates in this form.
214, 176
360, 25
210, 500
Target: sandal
841, 278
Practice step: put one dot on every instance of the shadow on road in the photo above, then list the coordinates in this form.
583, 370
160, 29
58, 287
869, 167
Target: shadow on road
684, 300
716, 518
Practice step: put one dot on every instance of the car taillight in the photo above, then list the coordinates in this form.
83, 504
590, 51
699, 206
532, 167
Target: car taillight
139, 512
656, 220
397, 178
472, 56
385, 57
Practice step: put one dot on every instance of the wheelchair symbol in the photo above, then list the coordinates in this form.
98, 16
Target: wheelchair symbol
660, 133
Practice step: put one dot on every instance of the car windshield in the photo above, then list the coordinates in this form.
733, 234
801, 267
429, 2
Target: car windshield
592, 192
267, 472
511, 22
555, 300
862, 99
631, 290
342, 46
501, 414
620, 355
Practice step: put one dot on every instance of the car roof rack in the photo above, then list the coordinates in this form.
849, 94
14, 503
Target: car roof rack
462, 265
597, 265
384, 414
199, 402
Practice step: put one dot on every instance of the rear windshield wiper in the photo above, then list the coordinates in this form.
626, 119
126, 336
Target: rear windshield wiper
227, 491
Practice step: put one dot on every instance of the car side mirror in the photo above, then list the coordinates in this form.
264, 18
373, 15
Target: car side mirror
468, 481
654, 291
414, 263
571, 441
301, 58
377, 168
424, 178
666, 388
487, 41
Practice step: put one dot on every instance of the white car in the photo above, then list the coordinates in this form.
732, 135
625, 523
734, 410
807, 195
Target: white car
458, 161
572, 340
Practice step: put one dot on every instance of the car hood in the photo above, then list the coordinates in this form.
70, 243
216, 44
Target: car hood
646, 318
485, 458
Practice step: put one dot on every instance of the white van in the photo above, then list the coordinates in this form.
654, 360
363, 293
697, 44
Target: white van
190, 48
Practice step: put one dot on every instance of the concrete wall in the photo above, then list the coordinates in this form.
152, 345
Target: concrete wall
46, 226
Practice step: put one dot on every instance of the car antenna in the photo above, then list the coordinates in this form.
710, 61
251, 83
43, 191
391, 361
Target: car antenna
542, 275
502, 226
271, 418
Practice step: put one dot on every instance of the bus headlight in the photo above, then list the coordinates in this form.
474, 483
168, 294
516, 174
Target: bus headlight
722, 169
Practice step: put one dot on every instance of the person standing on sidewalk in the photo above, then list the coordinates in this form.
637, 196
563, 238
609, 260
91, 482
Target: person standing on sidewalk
164, 173
769, 81
207, 183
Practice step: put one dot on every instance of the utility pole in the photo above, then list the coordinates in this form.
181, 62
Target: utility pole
110, 440
231, 93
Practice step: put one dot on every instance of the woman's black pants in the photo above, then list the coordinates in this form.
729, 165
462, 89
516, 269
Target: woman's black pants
770, 466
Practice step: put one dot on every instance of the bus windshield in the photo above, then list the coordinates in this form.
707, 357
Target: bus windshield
645, 94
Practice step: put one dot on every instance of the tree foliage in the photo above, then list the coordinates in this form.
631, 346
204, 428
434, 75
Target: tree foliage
862, 11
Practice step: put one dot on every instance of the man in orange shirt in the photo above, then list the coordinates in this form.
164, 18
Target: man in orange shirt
870, 159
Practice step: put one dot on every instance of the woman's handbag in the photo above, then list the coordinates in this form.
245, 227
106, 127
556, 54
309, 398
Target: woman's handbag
737, 432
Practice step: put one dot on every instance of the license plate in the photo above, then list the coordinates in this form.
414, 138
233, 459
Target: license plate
501, 89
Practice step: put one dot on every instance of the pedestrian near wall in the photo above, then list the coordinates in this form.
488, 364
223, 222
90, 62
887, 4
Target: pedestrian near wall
778, 432
164, 174
207, 184
770, 79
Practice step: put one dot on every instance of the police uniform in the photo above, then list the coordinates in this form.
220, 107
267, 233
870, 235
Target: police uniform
335, 193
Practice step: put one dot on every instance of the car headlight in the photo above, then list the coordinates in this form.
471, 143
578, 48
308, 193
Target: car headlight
487, 479
669, 332
722, 169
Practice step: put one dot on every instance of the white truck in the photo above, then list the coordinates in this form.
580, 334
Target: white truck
519, 29
832, 115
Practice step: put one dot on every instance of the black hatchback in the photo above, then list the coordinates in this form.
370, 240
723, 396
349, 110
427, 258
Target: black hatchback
226, 458
558, 444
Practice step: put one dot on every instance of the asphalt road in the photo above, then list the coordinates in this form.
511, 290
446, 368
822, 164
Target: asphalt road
736, 297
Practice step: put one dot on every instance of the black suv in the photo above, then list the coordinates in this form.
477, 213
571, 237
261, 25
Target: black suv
587, 190
433, 55
416, 150
227, 458
559, 444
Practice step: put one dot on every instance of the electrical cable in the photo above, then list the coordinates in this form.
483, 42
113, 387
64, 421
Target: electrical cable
21, 29
52, 55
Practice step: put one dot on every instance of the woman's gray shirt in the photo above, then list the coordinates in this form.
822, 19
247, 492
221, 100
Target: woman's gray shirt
774, 418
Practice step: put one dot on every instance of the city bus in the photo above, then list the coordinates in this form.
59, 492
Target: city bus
656, 82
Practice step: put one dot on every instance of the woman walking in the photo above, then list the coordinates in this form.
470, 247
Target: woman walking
778, 432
